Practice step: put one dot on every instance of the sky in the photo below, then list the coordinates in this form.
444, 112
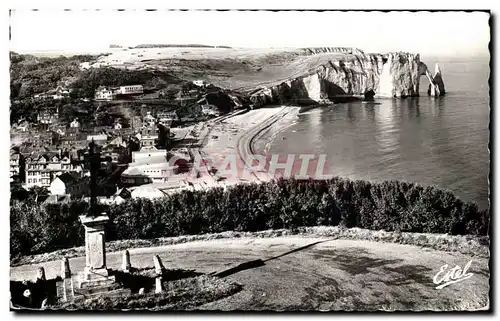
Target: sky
428, 33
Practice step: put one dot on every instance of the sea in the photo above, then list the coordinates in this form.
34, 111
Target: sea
441, 141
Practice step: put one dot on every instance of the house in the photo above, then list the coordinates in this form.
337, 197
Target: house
171, 115
60, 93
149, 120
104, 93
167, 118
36, 174
208, 109
199, 83
75, 123
139, 173
148, 136
118, 141
68, 184
99, 139
41, 169
16, 166
43, 96
117, 154
130, 90
47, 117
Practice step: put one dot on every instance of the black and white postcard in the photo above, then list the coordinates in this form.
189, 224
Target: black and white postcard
304, 161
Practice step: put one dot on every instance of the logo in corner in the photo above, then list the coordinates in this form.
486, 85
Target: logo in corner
444, 278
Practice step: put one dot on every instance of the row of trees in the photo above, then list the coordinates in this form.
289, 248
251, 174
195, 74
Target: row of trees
30, 75
391, 206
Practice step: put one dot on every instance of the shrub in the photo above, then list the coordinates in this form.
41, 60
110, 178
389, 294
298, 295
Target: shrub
390, 206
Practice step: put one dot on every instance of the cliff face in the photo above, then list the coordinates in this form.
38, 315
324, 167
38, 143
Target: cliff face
387, 75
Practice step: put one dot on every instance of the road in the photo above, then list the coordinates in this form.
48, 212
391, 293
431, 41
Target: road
314, 273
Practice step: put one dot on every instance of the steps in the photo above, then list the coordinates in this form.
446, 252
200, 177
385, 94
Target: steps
75, 289
96, 289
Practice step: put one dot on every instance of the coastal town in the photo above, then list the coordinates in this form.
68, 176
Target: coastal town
50, 153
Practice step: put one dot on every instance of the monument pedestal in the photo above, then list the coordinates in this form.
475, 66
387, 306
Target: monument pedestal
95, 273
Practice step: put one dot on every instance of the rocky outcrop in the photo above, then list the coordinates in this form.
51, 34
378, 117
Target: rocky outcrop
386, 75
436, 87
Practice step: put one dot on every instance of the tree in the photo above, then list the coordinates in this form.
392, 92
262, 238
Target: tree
38, 193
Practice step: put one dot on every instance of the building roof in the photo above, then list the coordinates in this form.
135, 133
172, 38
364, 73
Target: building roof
67, 178
133, 171
147, 192
97, 137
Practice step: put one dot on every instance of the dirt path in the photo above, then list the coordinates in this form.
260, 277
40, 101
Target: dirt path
314, 273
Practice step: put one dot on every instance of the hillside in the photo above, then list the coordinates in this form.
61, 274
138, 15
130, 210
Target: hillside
308, 75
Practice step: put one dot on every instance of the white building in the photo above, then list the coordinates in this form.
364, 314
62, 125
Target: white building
148, 166
149, 155
61, 93
75, 123
16, 164
47, 117
67, 184
85, 65
149, 120
131, 90
166, 118
199, 83
103, 93
41, 170
98, 139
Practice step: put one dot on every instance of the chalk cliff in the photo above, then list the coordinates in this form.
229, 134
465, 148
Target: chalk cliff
348, 73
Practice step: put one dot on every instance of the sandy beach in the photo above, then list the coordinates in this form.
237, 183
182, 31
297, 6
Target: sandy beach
233, 138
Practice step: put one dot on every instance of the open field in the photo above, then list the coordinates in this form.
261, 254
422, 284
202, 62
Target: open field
241, 70
321, 273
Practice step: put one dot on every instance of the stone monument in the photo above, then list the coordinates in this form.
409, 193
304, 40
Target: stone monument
96, 278
95, 252
95, 272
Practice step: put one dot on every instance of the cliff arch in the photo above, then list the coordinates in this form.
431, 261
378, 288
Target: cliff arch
436, 84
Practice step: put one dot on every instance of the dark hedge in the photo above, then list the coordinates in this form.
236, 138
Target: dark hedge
389, 205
